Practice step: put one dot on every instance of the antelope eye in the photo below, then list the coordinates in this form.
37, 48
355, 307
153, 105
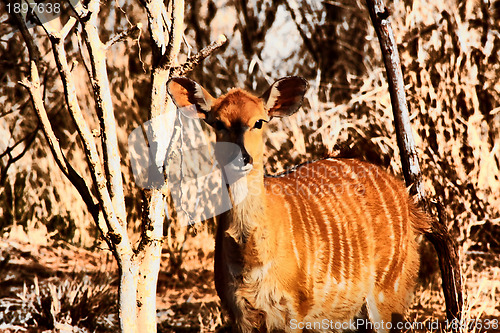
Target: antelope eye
219, 125
258, 123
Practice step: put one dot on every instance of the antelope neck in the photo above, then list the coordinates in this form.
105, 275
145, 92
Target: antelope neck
250, 209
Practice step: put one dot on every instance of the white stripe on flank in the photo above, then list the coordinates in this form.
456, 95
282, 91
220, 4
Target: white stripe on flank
339, 221
388, 215
290, 220
354, 205
307, 243
370, 237
348, 231
397, 244
318, 245
326, 288
328, 215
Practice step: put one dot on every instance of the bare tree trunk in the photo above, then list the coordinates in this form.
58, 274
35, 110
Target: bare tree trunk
439, 236
166, 48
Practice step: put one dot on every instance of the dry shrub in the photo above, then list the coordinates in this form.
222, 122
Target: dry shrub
81, 303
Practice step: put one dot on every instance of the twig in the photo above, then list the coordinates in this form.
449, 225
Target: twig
67, 27
28, 138
307, 40
132, 31
104, 109
379, 14
444, 244
82, 54
116, 232
33, 87
28, 141
194, 60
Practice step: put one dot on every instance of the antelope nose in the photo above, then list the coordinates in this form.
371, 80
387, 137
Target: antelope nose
246, 159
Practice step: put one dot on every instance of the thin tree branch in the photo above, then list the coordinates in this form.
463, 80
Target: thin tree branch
28, 141
67, 27
307, 41
116, 236
104, 109
158, 25
444, 244
81, 50
27, 145
195, 60
132, 32
33, 87
116, 233
28, 138
380, 14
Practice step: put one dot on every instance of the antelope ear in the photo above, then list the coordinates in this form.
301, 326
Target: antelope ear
285, 96
190, 97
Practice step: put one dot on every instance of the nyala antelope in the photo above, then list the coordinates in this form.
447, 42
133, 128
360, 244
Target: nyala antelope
313, 246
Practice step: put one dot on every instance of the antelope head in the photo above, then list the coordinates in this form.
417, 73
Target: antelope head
238, 118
